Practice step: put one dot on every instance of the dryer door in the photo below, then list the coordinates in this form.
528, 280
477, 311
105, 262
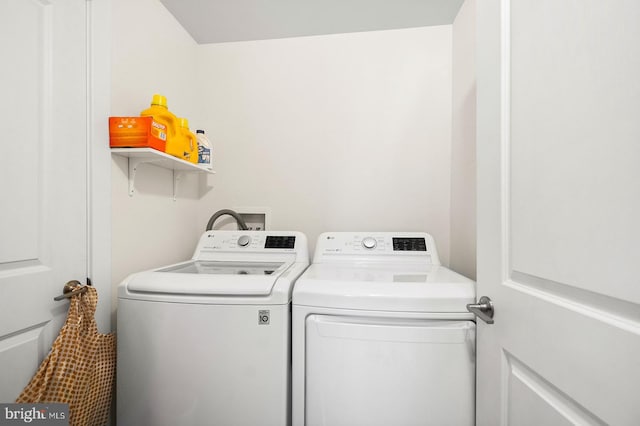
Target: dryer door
382, 371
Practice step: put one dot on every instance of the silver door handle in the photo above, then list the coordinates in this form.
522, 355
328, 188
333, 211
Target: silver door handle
483, 309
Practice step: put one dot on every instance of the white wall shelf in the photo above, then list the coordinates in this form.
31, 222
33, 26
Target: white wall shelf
137, 156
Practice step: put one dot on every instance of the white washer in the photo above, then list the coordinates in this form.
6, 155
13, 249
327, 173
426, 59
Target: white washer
381, 334
207, 342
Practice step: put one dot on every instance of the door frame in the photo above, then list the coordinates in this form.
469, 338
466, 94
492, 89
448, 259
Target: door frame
99, 157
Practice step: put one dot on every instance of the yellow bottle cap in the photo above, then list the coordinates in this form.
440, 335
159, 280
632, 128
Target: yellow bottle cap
184, 122
159, 100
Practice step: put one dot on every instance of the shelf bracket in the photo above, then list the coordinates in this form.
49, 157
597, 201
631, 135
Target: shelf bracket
137, 156
133, 168
177, 175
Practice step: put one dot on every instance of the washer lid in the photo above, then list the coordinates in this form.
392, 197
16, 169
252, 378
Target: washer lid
199, 277
212, 267
412, 288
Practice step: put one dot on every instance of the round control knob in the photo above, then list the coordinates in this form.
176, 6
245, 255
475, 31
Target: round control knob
244, 240
369, 243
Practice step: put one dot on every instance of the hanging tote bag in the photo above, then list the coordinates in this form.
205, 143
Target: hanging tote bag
80, 368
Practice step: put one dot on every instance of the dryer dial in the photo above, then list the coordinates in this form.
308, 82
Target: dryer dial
244, 240
369, 243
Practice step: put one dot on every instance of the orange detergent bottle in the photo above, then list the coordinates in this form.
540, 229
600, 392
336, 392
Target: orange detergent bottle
158, 110
190, 141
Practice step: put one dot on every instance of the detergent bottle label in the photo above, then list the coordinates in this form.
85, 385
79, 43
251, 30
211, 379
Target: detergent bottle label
204, 155
159, 130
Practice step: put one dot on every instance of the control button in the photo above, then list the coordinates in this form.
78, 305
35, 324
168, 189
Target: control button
369, 243
244, 241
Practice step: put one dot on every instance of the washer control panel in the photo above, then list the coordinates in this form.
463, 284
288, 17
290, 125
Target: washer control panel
254, 241
364, 244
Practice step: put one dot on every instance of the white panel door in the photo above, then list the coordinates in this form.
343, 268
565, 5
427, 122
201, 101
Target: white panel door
43, 171
559, 212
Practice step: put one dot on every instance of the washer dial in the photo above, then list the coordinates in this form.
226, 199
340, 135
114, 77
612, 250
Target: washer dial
244, 240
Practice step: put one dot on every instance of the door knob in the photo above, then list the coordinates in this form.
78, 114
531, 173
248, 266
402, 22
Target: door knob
483, 309
71, 289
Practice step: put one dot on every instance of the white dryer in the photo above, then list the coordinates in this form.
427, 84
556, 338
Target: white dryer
381, 335
207, 342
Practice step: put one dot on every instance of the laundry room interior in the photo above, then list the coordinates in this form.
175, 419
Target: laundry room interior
350, 131
441, 196
370, 130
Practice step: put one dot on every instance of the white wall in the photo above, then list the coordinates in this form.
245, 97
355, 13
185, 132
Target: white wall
463, 143
150, 53
339, 132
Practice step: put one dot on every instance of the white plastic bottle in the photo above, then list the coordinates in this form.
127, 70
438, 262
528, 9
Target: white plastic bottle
204, 149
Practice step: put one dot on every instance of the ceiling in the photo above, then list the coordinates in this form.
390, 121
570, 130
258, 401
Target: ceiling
219, 21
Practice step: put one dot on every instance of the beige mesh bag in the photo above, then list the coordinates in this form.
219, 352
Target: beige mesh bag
80, 369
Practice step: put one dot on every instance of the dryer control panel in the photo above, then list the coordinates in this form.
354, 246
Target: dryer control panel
376, 245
